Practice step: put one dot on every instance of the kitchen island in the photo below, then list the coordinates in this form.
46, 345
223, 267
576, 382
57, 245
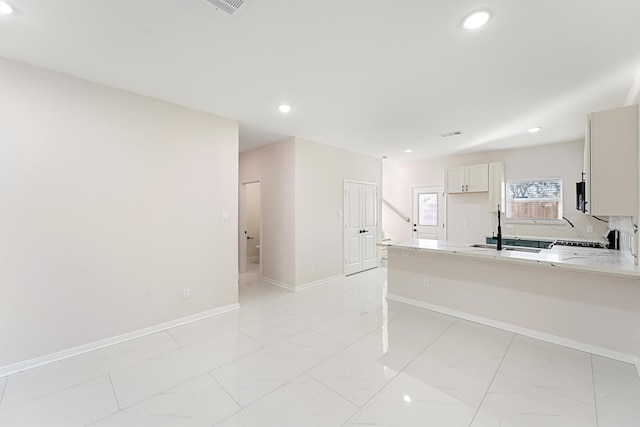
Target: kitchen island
588, 299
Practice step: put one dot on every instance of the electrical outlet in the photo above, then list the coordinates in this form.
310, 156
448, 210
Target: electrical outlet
509, 225
318, 266
589, 228
466, 223
427, 284
186, 293
404, 253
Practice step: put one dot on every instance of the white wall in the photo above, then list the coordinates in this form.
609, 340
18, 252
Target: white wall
563, 160
302, 184
110, 204
273, 166
320, 174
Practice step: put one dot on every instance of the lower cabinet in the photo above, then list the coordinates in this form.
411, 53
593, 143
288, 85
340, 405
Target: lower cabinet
540, 244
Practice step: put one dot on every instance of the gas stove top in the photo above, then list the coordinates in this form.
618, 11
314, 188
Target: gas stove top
580, 244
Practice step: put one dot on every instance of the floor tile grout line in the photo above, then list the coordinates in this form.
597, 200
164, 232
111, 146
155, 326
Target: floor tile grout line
146, 398
113, 390
548, 390
4, 387
593, 382
51, 393
80, 381
614, 377
115, 395
334, 391
168, 331
230, 395
398, 372
289, 380
493, 379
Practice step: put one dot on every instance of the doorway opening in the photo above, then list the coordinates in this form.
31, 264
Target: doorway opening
250, 245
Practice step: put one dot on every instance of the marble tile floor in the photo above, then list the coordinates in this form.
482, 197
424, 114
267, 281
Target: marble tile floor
339, 354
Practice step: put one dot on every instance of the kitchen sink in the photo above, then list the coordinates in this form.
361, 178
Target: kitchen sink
506, 248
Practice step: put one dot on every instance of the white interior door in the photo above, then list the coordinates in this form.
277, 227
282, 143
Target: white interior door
352, 229
428, 213
360, 227
369, 226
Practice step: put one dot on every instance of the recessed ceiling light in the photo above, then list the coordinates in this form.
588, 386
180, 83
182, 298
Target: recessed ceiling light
534, 130
284, 108
408, 150
407, 398
476, 19
5, 8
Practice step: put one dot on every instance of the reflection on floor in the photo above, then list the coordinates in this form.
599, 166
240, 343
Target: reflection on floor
334, 355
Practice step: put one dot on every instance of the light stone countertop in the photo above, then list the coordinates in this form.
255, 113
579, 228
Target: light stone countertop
603, 261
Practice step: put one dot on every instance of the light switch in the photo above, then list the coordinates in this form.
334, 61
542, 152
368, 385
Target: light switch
225, 216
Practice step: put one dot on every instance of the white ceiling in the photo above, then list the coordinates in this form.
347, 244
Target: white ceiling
370, 76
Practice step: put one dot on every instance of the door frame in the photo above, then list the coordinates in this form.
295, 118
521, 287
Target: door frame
444, 207
242, 226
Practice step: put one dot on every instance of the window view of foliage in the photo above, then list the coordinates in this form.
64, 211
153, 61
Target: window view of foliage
551, 189
534, 200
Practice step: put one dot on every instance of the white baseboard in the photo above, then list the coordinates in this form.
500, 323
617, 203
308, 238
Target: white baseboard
280, 284
554, 339
86, 348
304, 286
319, 282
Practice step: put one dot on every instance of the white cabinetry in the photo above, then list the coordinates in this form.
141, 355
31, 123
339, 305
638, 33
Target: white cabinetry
467, 179
496, 187
611, 162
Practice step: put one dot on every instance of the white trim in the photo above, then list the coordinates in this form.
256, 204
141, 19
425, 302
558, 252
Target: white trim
305, 286
118, 339
320, 282
280, 284
554, 339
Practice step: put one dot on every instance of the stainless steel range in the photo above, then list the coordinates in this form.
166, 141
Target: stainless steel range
579, 244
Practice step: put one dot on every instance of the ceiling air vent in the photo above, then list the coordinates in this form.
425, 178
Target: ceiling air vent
448, 134
229, 6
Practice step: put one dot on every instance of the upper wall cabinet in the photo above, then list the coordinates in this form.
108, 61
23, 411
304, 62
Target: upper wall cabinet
611, 162
467, 179
496, 187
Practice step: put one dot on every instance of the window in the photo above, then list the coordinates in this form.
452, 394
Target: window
534, 200
428, 209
